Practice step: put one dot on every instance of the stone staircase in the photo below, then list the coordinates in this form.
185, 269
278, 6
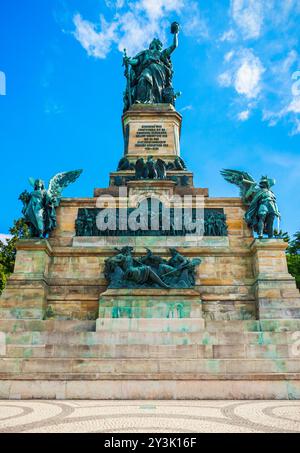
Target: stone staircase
150, 358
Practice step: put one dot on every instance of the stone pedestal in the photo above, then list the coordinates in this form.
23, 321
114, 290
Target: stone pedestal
276, 293
152, 130
149, 303
25, 296
234, 335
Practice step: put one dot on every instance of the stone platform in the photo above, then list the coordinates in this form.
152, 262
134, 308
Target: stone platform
233, 335
150, 359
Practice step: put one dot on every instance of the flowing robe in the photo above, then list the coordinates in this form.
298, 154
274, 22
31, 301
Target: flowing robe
152, 75
34, 210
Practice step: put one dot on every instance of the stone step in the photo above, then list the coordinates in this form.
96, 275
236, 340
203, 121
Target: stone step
144, 367
149, 338
21, 313
251, 351
149, 325
283, 312
250, 386
51, 325
291, 302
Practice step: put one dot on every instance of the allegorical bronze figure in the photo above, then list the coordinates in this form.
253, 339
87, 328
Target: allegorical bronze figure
39, 206
150, 73
150, 271
261, 201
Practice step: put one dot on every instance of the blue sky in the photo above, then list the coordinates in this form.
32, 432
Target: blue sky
236, 66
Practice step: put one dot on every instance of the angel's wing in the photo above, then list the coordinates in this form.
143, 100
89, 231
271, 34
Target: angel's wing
243, 180
140, 168
161, 169
62, 180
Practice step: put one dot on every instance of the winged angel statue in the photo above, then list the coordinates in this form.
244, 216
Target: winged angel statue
39, 206
261, 201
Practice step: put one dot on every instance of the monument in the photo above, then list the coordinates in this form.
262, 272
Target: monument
150, 288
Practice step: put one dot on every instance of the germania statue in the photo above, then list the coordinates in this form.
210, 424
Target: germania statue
149, 74
260, 199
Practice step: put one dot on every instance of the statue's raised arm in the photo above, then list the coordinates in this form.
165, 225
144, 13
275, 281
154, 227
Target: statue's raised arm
175, 32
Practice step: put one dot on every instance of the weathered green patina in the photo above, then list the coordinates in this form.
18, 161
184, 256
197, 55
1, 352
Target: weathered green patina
125, 271
150, 74
40, 205
215, 224
151, 169
261, 201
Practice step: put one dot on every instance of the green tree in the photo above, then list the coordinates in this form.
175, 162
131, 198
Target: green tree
293, 257
8, 250
294, 245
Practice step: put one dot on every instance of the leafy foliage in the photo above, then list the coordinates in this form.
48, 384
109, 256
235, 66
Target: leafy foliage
294, 245
294, 267
293, 257
8, 250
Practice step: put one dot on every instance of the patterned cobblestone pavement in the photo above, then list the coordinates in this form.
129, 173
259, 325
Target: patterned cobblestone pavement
149, 416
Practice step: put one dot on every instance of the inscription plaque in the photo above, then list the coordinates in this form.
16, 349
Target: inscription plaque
151, 137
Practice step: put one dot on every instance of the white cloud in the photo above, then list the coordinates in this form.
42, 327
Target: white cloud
294, 106
228, 35
248, 76
186, 108
244, 115
229, 56
296, 128
115, 3
225, 79
281, 99
97, 44
193, 23
156, 9
288, 62
136, 25
244, 74
248, 15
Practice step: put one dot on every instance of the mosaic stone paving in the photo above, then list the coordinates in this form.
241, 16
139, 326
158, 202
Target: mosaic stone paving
149, 416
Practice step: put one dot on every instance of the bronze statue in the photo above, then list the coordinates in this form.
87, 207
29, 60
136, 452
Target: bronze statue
149, 74
150, 169
124, 271
261, 201
39, 206
125, 165
124, 267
